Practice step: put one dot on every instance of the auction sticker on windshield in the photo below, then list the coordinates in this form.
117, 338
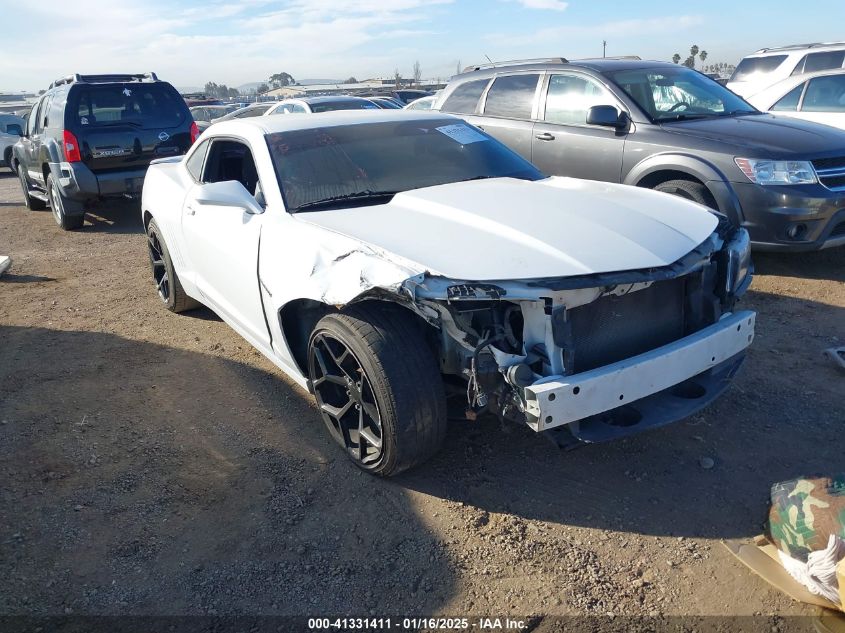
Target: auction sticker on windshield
461, 133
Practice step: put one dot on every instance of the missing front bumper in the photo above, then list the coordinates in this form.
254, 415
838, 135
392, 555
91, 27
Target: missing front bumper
565, 400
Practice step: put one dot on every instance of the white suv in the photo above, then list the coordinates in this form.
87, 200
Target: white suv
767, 66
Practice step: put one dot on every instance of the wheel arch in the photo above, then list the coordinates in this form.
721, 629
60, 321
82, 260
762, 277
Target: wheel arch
660, 168
298, 318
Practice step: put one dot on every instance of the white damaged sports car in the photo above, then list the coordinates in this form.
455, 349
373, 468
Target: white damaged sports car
390, 261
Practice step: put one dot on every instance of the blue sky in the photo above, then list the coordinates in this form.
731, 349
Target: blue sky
190, 42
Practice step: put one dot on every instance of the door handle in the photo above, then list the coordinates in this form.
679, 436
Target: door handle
191, 210
480, 127
545, 136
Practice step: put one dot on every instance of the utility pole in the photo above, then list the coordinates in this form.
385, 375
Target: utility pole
604, 48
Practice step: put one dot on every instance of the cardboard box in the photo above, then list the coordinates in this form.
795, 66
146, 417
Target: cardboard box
761, 557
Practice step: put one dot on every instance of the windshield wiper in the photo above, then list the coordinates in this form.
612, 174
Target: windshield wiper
683, 117
740, 112
358, 196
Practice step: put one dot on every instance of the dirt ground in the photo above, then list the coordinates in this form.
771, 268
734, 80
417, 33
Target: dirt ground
153, 463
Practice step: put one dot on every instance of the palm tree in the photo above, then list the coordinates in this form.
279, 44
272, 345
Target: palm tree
676, 58
694, 50
702, 55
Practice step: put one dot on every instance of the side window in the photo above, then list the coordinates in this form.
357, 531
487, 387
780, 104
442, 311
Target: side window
789, 103
512, 96
194, 163
825, 94
32, 121
824, 61
297, 109
248, 114
14, 128
570, 97
231, 160
464, 98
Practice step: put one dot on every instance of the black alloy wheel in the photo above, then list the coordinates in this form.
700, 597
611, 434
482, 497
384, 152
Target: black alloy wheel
346, 399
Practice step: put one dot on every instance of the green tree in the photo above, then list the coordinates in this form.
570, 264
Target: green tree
262, 88
351, 80
280, 80
676, 58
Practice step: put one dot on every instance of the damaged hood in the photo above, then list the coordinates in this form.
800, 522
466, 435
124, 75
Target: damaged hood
505, 228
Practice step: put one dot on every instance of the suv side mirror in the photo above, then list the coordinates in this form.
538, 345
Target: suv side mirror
607, 116
228, 193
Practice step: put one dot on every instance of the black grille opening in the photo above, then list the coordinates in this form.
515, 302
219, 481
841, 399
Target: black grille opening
614, 328
838, 230
829, 163
833, 182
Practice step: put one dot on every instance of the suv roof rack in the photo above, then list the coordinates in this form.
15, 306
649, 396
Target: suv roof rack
798, 47
636, 58
515, 62
77, 78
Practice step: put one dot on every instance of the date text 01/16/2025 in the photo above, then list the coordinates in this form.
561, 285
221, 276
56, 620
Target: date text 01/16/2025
414, 624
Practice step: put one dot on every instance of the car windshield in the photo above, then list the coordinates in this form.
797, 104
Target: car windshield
678, 94
330, 167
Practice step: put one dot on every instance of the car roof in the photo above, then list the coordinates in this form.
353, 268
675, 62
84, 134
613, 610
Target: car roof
280, 123
327, 99
820, 47
598, 65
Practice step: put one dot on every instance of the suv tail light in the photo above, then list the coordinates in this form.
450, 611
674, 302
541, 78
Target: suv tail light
71, 147
195, 132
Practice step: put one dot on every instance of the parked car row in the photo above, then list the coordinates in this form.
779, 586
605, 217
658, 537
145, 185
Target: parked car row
388, 260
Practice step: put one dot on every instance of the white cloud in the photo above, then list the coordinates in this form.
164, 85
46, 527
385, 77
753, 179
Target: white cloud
547, 5
222, 41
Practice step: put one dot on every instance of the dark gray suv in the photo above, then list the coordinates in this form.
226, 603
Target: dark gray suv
670, 128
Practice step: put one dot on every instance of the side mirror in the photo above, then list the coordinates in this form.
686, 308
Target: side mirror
229, 193
607, 116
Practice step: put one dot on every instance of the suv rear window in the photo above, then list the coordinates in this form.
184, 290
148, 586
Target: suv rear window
143, 105
465, 97
511, 96
756, 66
822, 61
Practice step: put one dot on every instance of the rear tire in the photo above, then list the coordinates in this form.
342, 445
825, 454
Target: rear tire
164, 275
33, 204
371, 369
61, 205
689, 190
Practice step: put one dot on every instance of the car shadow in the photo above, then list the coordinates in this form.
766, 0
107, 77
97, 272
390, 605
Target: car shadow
781, 418
12, 278
828, 264
145, 479
114, 216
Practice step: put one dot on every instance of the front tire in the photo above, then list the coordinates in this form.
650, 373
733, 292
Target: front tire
166, 280
33, 204
689, 190
378, 387
61, 206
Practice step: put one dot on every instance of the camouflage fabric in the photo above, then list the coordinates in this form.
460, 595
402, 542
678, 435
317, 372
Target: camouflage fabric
805, 512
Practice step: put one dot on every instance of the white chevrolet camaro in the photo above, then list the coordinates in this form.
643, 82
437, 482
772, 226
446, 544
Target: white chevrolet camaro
390, 261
